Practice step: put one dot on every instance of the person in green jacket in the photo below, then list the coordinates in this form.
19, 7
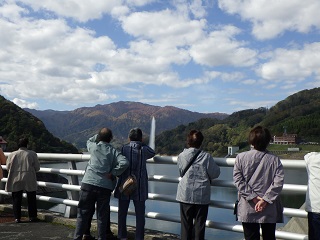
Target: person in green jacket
98, 182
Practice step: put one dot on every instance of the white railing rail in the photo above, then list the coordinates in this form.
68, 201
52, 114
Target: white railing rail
73, 187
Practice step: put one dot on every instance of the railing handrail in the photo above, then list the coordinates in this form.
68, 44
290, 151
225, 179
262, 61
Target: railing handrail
159, 159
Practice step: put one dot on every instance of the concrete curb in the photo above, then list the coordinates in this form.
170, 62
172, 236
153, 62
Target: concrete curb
58, 219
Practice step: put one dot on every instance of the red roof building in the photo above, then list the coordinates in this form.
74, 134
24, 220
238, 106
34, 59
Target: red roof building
286, 139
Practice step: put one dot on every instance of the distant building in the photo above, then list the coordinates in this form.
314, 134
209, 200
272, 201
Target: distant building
232, 150
286, 139
3, 143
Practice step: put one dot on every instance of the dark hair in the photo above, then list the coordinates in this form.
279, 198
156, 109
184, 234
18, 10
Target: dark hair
105, 135
23, 142
135, 134
194, 139
259, 138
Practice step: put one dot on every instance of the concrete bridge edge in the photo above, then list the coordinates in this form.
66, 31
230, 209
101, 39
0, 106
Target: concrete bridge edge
297, 225
57, 218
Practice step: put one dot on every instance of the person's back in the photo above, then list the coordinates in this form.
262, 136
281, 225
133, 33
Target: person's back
22, 166
195, 187
104, 158
137, 153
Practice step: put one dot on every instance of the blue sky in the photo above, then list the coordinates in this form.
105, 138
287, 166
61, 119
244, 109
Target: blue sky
203, 56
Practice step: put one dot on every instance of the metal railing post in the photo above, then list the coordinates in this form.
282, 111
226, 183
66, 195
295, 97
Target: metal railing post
71, 211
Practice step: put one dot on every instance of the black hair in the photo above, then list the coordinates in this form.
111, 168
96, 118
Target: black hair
259, 138
194, 139
23, 142
135, 134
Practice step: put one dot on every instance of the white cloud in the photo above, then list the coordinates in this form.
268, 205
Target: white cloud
292, 64
221, 48
25, 104
271, 18
251, 104
197, 9
70, 52
12, 11
167, 26
249, 81
81, 11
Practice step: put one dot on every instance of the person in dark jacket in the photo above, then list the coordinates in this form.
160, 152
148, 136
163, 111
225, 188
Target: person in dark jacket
137, 153
194, 188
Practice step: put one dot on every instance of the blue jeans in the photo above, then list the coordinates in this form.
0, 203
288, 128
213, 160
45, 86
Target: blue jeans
139, 207
314, 226
86, 208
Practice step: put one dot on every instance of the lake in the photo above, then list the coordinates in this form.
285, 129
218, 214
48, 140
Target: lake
217, 193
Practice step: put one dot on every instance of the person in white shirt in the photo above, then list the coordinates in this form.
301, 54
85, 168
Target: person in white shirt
312, 205
22, 166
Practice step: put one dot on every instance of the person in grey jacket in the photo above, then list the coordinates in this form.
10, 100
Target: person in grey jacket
194, 188
258, 175
98, 183
22, 166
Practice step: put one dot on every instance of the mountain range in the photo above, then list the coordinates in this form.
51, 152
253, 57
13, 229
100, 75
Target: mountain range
53, 131
77, 125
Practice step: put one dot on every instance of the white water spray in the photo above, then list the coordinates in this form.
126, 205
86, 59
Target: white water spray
152, 134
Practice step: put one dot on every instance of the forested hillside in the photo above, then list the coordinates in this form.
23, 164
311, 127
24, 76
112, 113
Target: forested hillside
297, 114
15, 122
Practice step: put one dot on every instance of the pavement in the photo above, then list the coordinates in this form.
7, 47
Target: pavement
54, 226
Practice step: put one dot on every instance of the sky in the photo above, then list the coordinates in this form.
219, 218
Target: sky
204, 56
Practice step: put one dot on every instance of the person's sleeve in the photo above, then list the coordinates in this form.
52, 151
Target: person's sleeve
9, 163
36, 163
121, 164
213, 169
240, 183
276, 187
148, 152
179, 165
91, 142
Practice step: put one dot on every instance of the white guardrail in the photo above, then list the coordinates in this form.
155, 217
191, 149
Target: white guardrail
73, 189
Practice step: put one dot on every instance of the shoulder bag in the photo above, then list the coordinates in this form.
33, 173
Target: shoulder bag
128, 185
